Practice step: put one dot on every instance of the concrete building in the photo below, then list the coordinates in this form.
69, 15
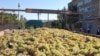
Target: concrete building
90, 14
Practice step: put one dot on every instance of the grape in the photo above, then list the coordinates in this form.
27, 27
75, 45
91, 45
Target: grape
48, 42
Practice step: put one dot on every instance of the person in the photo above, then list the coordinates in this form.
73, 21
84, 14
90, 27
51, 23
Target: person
88, 30
81, 29
98, 31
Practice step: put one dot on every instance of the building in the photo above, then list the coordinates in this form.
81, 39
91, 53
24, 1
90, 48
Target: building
90, 14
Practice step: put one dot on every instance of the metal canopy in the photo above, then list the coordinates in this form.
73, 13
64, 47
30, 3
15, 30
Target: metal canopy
36, 11
28, 10
12, 10
44, 11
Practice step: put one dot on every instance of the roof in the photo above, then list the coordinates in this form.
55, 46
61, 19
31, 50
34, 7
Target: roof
34, 23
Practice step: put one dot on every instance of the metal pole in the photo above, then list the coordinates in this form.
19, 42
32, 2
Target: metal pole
48, 20
48, 17
18, 11
19, 15
38, 16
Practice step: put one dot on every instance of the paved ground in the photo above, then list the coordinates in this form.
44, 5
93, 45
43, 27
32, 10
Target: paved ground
8, 26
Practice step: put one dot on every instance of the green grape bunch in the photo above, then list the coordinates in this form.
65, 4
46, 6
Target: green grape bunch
47, 42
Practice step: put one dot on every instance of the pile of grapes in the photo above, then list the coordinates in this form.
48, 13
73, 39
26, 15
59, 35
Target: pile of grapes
48, 42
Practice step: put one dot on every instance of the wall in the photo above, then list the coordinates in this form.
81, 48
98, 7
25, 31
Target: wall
8, 26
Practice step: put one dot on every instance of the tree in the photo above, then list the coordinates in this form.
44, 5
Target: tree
60, 23
56, 24
72, 18
64, 19
22, 22
7, 18
72, 7
61, 20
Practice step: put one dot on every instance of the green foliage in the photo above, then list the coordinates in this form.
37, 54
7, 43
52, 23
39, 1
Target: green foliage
22, 22
73, 18
8, 18
56, 24
72, 7
64, 19
61, 22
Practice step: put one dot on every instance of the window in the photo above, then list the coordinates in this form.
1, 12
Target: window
80, 3
81, 9
87, 1
86, 9
89, 8
93, 7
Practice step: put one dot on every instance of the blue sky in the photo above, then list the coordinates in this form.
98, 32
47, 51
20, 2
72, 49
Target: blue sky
35, 4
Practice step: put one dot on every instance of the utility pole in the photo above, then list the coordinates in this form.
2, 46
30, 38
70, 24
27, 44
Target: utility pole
18, 16
38, 16
18, 11
48, 17
48, 20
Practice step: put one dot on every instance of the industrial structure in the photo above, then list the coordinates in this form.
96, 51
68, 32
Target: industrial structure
90, 14
38, 11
